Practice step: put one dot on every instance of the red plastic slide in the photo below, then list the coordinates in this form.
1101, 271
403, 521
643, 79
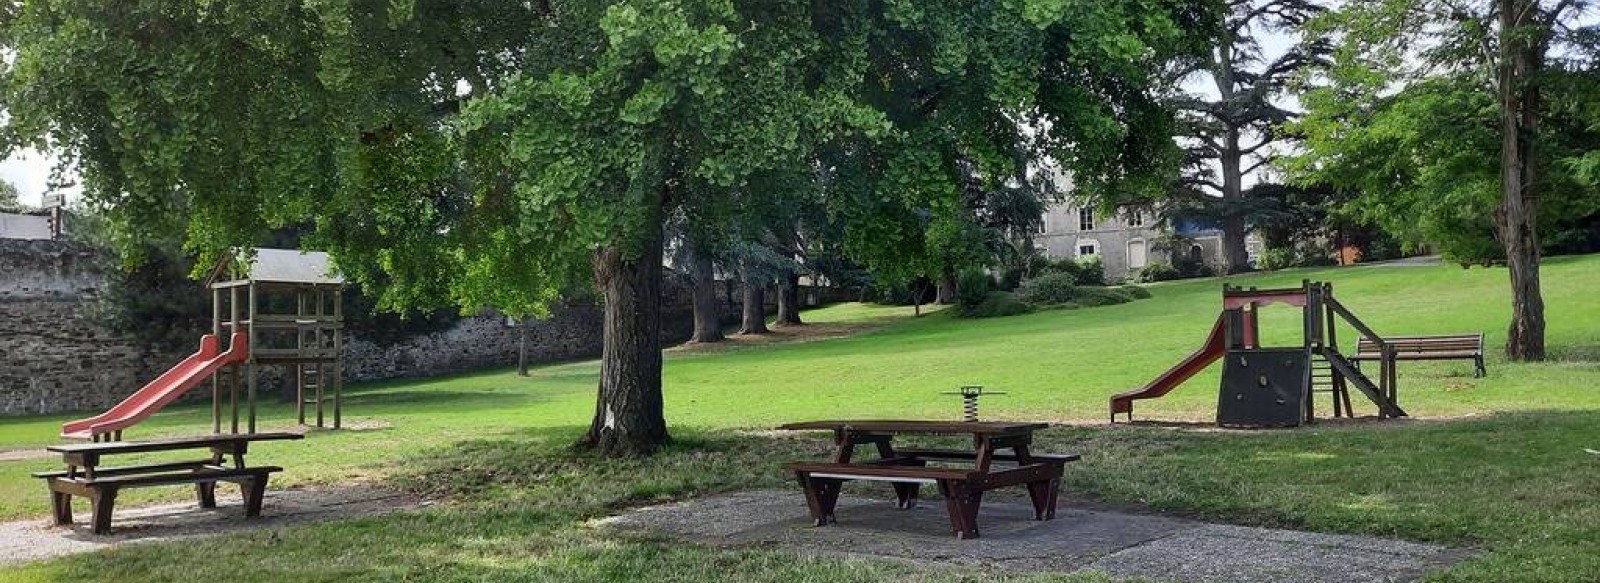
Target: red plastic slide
1215, 347
162, 391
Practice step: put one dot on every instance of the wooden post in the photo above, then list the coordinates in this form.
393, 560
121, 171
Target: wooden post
338, 353
300, 367
250, 365
216, 382
233, 379
322, 368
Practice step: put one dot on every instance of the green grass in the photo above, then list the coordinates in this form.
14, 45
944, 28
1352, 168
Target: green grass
1512, 480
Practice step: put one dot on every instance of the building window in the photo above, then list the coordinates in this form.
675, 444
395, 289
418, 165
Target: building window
1135, 218
1088, 248
1086, 219
1044, 223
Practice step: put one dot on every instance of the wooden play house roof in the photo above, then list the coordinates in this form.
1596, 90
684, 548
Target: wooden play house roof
275, 266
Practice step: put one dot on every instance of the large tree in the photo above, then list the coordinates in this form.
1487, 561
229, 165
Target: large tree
1231, 127
489, 154
1412, 66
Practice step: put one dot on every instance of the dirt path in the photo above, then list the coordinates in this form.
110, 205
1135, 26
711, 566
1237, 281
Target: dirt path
31, 540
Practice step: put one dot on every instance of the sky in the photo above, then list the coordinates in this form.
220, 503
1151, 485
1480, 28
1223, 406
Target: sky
30, 172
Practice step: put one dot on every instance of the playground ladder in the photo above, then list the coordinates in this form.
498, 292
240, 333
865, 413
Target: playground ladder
1325, 380
1386, 405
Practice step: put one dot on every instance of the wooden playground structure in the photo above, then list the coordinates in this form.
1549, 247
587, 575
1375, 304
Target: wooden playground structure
1276, 386
290, 310
284, 308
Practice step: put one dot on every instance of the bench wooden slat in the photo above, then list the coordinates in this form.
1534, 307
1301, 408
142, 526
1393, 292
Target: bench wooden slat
121, 470
218, 440
169, 478
887, 473
922, 427
956, 454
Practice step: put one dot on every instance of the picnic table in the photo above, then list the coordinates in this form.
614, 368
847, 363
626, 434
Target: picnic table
962, 476
86, 477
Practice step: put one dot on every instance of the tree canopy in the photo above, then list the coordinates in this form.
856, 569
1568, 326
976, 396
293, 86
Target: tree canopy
490, 154
1423, 97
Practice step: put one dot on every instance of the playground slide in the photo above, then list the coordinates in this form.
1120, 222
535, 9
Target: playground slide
1215, 347
163, 390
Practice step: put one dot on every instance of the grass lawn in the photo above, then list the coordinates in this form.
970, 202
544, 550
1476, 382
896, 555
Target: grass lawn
1511, 478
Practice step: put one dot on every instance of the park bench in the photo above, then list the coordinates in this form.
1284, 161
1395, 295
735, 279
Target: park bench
907, 470
1439, 347
85, 477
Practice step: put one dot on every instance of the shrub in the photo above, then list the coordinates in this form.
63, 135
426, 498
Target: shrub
899, 294
995, 305
1052, 288
1066, 266
1090, 297
1091, 271
1167, 272
1136, 292
1157, 272
972, 288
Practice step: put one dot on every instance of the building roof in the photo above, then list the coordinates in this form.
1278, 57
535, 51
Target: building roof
281, 266
15, 226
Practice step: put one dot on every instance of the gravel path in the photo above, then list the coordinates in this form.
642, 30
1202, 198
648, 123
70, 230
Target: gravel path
1121, 544
31, 540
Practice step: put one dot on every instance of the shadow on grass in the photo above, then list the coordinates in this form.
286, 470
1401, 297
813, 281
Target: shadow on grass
420, 400
1519, 485
544, 461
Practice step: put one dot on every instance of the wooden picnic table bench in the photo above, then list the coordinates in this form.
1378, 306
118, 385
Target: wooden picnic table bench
982, 469
85, 477
1437, 347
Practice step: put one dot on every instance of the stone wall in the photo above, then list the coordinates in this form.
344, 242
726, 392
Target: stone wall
46, 269
55, 356
571, 332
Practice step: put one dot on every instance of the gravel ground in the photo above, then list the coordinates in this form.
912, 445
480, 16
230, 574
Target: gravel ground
1121, 544
31, 540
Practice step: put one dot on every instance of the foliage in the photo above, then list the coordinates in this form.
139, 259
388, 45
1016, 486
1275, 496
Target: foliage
1163, 271
1137, 292
995, 304
1091, 271
10, 199
1090, 297
972, 288
1083, 270
1232, 129
1050, 288
997, 88
492, 155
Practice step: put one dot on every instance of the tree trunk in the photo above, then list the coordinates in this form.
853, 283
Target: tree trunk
1521, 58
946, 294
522, 347
1235, 257
755, 305
628, 418
789, 300
707, 312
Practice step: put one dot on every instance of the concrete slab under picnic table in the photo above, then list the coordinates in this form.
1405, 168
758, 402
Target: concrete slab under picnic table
1123, 544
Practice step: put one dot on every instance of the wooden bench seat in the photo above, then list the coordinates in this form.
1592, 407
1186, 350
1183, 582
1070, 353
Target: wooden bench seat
1440, 347
121, 470
961, 488
102, 489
